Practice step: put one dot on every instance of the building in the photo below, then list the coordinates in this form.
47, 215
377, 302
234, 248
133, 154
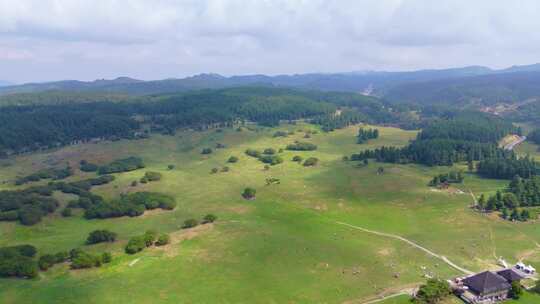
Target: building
488, 287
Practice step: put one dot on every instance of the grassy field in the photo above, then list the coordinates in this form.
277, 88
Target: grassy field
284, 246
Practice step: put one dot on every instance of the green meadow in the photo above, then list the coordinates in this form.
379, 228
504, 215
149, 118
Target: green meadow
289, 245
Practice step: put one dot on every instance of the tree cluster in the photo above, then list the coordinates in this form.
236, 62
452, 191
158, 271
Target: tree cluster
452, 177
122, 165
301, 146
365, 135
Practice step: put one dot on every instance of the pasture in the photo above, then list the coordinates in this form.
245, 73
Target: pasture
287, 245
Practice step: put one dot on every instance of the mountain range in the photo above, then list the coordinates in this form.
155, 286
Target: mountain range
423, 86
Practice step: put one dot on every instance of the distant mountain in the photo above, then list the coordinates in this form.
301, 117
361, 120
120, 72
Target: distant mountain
369, 82
4, 83
506, 87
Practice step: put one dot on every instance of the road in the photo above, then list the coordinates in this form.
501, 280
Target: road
512, 145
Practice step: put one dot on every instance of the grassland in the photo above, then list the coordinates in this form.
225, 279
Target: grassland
284, 246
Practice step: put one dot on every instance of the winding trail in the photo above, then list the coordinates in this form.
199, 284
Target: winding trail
513, 144
397, 237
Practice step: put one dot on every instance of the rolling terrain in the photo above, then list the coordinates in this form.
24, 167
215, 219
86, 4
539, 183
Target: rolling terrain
289, 244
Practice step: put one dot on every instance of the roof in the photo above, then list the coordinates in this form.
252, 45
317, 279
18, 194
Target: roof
510, 275
486, 282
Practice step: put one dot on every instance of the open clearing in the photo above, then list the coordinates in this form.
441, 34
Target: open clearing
283, 247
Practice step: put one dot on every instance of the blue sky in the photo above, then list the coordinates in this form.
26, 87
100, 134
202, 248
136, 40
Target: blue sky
45, 40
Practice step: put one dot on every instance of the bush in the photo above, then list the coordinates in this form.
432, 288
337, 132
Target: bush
122, 165
269, 151
99, 236
249, 193
135, 244
134, 184
149, 237
232, 159
253, 153
516, 291
300, 146
206, 151
66, 212
297, 158
170, 167
61, 257
225, 169
214, 170
312, 161
209, 218
46, 261
280, 134
85, 260
432, 292
271, 159
151, 177
30, 215
163, 239
190, 223
106, 257
12, 215
88, 167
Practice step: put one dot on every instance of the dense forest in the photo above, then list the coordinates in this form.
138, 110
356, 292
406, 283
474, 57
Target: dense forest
53, 122
463, 136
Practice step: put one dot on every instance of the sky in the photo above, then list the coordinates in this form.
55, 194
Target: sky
45, 40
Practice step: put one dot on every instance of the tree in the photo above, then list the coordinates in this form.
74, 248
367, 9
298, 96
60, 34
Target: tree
163, 239
482, 202
312, 161
432, 292
232, 159
214, 170
149, 237
504, 213
106, 257
190, 223
135, 244
366, 162
170, 167
516, 291
206, 151
99, 236
380, 170
66, 212
209, 218
297, 158
470, 165
269, 151
249, 193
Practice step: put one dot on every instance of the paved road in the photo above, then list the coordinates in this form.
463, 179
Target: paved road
513, 144
397, 237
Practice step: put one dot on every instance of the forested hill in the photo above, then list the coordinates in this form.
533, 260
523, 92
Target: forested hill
475, 90
373, 82
48, 124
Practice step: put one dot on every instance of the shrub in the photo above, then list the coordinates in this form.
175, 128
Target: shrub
85, 260
300, 146
30, 215
220, 146
134, 184
206, 151
163, 239
61, 257
312, 161
280, 134
249, 193
271, 159
99, 236
225, 169
516, 291
253, 153
269, 151
150, 176
432, 292
232, 159
106, 257
190, 223
135, 244
209, 218
88, 167
214, 170
12, 215
149, 237
170, 167
122, 165
297, 158
66, 212
46, 261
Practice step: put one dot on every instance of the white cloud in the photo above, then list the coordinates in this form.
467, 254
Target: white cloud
56, 39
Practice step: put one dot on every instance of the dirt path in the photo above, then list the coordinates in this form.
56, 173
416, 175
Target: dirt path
397, 237
405, 292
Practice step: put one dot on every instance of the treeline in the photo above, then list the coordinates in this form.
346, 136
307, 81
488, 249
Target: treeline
508, 167
51, 173
30, 127
461, 137
534, 136
513, 202
452, 177
122, 165
134, 204
365, 135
